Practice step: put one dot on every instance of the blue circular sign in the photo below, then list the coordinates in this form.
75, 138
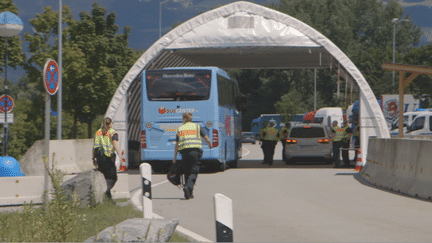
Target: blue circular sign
51, 77
6, 103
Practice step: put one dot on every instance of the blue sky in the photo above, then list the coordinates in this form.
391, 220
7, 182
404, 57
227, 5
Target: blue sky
143, 15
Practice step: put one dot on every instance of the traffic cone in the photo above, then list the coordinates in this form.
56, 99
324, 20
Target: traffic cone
359, 163
123, 163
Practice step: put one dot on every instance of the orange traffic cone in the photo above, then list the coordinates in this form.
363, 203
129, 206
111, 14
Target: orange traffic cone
359, 163
123, 163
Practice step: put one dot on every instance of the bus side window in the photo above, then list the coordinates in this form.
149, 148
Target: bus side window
227, 92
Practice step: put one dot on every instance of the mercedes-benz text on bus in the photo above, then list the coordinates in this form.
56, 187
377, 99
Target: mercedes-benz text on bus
210, 95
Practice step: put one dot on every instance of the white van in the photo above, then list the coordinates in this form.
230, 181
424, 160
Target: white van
327, 115
408, 118
421, 125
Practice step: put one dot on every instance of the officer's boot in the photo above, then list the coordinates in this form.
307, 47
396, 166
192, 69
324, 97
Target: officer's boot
110, 185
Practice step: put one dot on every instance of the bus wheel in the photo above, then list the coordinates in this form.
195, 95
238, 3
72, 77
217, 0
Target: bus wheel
233, 164
223, 167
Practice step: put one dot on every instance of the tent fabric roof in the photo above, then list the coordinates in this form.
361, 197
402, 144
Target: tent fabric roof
248, 36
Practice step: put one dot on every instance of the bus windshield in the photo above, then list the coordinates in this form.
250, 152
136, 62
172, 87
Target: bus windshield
178, 85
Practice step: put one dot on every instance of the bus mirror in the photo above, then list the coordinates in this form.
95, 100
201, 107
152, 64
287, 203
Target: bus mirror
241, 103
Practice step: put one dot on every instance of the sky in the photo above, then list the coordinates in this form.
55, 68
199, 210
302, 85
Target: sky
143, 16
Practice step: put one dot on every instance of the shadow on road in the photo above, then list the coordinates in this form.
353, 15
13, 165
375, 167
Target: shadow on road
302, 163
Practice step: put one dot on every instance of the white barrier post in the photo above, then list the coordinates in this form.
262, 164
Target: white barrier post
224, 218
146, 174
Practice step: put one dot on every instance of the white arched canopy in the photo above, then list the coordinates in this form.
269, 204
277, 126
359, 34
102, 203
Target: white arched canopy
247, 36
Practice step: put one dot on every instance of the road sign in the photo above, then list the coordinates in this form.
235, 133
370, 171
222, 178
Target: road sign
6, 103
10, 118
51, 76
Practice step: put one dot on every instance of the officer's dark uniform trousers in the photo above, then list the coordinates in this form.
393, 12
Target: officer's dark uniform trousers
268, 147
106, 165
336, 151
190, 165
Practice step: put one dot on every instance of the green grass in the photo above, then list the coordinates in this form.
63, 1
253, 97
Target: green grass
62, 219
33, 224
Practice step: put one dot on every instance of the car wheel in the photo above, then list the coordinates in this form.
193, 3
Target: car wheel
254, 143
233, 164
289, 161
329, 161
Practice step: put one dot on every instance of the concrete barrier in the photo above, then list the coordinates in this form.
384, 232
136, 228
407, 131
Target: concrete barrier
401, 165
26, 189
71, 156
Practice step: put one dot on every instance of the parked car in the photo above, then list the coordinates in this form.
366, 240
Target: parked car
248, 137
421, 125
408, 119
308, 140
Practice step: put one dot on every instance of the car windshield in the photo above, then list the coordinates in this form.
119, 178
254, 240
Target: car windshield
318, 120
307, 132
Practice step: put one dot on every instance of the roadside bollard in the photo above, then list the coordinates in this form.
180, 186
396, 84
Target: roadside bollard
146, 174
224, 218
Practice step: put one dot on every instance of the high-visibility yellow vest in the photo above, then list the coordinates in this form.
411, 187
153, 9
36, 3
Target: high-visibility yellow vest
339, 133
262, 130
104, 142
282, 135
345, 135
189, 136
271, 133
357, 131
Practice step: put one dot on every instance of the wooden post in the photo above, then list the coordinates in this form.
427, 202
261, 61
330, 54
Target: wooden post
403, 83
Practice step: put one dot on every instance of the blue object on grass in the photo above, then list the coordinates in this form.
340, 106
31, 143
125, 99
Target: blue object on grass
9, 167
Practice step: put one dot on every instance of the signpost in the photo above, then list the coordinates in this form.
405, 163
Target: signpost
51, 81
6, 105
9, 118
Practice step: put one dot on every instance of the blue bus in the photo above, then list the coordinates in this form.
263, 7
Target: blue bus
210, 95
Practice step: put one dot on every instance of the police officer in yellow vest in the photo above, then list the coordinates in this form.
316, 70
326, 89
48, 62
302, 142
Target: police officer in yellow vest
270, 139
346, 143
283, 136
340, 136
337, 136
356, 135
104, 148
189, 144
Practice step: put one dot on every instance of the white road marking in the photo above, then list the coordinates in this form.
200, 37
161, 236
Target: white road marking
135, 200
247, 152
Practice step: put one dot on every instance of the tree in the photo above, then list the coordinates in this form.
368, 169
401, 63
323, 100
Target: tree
421, 87
95, 60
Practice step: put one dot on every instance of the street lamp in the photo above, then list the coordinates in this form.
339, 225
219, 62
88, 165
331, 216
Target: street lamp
395, 21
10, 25
160, 17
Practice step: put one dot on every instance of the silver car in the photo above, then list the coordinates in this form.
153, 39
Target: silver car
248, 137
308, 140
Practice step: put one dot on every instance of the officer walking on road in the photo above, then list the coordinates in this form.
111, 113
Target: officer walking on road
189, 144
271, 136
105, 148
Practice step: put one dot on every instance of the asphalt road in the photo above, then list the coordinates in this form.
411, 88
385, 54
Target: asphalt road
307, 202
